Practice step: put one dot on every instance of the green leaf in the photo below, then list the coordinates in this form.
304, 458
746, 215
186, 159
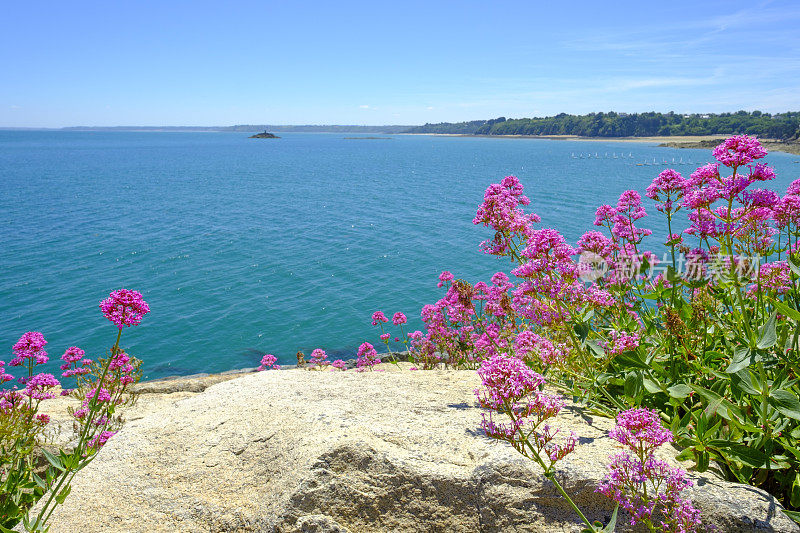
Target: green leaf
612, 523
680, 391
793, 264
749, 456
794, 515
726, 409
767, 334
743, 454
794, 495
702, 462
582, 330
685, 455
633, 383
39, 481
597, 351
786, 402
631, 359
653, 387
53, 460
744, 381
63, 494
672, 275
786, 310
741, 359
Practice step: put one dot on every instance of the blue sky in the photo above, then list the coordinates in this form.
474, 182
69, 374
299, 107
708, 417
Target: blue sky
223, 63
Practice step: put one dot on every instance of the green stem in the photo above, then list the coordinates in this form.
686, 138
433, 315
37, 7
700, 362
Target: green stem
67, 476
549, 474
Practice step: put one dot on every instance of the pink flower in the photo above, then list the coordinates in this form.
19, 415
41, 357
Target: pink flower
378, 317
124, 307
500, 210
444, 278
73, 354
38, 387
341, 365
528, 342
3, 376
648, 488
99, 441
385, 337
761, 172
29, 346
704, 175
596, 242
399, 318
506, 380
319, 358
760, 198
667, 183
268, 361
640, 429
604, 215
773, 277
101, 396
367, 356
622, 342
739, 150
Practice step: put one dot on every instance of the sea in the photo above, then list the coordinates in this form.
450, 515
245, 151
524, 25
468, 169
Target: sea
249, 246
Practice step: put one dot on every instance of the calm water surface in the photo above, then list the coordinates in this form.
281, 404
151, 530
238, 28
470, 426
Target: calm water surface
244, 246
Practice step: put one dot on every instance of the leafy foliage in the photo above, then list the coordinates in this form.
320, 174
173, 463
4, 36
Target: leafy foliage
778, 126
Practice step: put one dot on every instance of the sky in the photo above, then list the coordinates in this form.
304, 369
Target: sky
211, 63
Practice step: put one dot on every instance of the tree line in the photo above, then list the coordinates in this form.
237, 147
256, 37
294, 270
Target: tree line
778, 126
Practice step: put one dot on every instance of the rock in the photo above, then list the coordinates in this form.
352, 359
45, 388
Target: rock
264, 135
321, 451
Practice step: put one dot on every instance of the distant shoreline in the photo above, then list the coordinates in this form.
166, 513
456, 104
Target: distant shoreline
672, 141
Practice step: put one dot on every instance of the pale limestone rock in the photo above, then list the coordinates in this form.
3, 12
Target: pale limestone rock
328, 452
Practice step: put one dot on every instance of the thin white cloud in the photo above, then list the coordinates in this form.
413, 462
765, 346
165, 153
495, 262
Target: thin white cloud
364, 106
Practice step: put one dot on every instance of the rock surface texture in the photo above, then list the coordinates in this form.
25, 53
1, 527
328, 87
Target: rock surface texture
399, 450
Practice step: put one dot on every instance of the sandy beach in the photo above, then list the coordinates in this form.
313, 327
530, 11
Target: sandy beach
675, 141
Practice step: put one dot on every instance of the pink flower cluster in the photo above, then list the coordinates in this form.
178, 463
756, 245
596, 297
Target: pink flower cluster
367, 357
648, 488
40, 386
640, 429
500, 211
667, 189
72, 356
772, 277
378, 317
268, 361
621, 342
739, 150
552, 288
319, 359
509, 387
31, 347
529, 343
124, 307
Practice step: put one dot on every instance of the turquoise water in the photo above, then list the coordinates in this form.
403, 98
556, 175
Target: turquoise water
244, 246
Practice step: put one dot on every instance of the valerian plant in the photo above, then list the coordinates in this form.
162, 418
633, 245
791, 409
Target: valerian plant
708, 335
101, 387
